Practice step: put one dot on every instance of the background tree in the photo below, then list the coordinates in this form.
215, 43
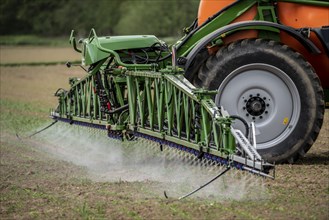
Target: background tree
108, 17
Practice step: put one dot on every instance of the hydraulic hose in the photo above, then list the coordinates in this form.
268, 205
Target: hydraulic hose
245, 123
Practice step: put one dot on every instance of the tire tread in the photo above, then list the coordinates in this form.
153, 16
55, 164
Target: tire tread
207, 74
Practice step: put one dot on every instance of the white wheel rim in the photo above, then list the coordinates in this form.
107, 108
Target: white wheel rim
264, 94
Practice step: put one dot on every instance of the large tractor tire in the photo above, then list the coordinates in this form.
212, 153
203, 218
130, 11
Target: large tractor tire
268, 83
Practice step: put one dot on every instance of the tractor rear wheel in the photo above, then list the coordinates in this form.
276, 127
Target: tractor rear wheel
268, 83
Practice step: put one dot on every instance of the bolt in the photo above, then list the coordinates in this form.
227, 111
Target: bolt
253, 118
258, 94
250, 95
267, 105
247, 114
266, 112
264, 98
260, 117
244, 108
245, 100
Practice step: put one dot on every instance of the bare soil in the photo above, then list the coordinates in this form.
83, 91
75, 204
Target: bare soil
36, 184
33, 54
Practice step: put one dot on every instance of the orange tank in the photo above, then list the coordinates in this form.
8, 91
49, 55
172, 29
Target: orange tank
290, 14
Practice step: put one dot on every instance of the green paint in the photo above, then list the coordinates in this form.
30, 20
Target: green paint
160, 105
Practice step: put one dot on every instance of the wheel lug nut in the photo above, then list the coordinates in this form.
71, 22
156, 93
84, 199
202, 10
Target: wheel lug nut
264, 98
253, 118
247, 114
267, 105
244, 108
260, 117
266, 112
250, 95
258, 94
245, 100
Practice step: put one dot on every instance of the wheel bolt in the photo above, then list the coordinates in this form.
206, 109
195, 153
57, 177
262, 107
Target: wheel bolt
258, 94
264, 98
260, 117
253, 118
266, 112
250, 95
245, 100
267, 105
244, 108
247, 114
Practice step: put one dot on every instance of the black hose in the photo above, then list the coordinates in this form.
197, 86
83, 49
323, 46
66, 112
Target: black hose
245, 123
54, 122
204, 185
120, 109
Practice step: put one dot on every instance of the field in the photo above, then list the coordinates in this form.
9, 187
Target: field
70, 173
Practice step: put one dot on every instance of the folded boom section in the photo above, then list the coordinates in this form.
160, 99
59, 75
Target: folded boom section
160, 106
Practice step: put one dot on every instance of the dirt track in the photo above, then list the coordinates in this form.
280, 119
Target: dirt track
36, 184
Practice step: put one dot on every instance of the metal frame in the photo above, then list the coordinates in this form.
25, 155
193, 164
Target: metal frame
166, 108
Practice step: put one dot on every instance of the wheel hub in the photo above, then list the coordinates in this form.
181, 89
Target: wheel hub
255, 106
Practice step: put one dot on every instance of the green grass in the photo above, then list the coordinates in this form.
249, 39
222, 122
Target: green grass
17, 116
16, 40
57, 189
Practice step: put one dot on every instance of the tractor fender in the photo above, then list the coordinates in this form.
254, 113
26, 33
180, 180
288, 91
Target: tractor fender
308, 44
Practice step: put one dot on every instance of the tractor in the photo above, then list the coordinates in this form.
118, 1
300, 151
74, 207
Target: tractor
243, 87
